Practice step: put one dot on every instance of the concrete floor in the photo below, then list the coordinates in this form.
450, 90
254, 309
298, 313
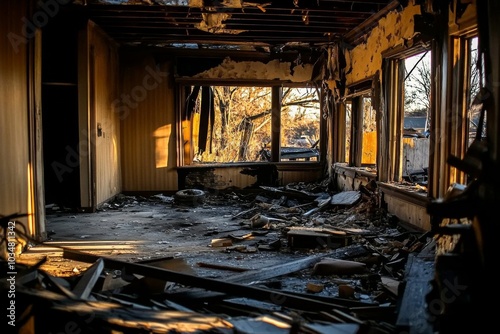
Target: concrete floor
137, 229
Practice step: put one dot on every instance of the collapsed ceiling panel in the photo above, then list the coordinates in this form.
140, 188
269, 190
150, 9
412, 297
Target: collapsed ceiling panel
268, 24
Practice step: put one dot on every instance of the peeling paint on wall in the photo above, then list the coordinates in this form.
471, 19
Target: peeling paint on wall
273, 70
366, 59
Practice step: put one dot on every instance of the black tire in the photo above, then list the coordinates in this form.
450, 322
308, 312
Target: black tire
189, 196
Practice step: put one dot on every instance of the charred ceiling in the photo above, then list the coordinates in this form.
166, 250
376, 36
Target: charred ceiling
234, 24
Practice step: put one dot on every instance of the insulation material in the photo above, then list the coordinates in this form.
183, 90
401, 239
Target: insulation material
273, 70
196, 3
395, 29
214, 23
224, 3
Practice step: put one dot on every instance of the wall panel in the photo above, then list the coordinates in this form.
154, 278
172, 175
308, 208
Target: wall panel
106, 124
14, 148
147, 111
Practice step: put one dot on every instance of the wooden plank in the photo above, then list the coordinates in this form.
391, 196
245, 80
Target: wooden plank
86, 283
57, 284
104, 314
276, 123
412, 311
221, 267
323, 203
346, 198
312, 238
390, 285
351, 303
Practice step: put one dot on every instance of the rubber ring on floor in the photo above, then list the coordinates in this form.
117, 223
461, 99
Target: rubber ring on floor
190, 196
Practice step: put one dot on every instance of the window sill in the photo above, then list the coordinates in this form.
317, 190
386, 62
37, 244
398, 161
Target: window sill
412, 194
343, 169
280, 165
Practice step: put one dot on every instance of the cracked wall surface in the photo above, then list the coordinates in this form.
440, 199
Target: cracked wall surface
393, 30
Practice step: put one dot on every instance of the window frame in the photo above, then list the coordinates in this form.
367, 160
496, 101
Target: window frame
391, 166
185, 156
356, 92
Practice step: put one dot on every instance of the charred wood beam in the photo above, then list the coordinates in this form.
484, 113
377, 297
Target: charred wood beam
229, 25
314, 20
86, 283
253, 30
167, 10
244, 20
191, 102
276, 123
206, 106
353, 37
217, 40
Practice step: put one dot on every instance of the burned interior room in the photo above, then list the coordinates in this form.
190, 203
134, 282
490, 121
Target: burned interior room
294, 166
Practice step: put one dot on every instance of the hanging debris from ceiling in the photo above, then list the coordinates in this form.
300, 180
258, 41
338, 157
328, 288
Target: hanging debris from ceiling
228, 4
214, 23
272, 70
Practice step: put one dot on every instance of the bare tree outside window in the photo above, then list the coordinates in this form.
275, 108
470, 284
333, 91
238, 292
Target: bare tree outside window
417, 104
236, 125
474, 100
418, 87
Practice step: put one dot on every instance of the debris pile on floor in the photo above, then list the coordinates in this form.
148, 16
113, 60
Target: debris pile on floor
348, 273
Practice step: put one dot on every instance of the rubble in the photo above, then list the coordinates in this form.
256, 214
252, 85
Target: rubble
340, 267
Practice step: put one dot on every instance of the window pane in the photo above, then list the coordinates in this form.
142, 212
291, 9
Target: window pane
300, 124
417, 88
348, 117
236, 129
474, 100
369, 146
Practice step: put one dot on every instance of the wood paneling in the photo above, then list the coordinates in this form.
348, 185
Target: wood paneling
147, 111
14, 148
287, 177
105, 125
409, 213
409, 206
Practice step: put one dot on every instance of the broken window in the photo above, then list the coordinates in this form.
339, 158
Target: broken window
232, 124
416, 118
406, 121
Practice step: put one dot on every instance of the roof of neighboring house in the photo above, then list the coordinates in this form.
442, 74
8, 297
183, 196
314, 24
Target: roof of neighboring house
415, 122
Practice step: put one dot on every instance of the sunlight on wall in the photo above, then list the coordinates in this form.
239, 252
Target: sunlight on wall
162, 137
369, 148
186, 139
31, 221
115, 152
